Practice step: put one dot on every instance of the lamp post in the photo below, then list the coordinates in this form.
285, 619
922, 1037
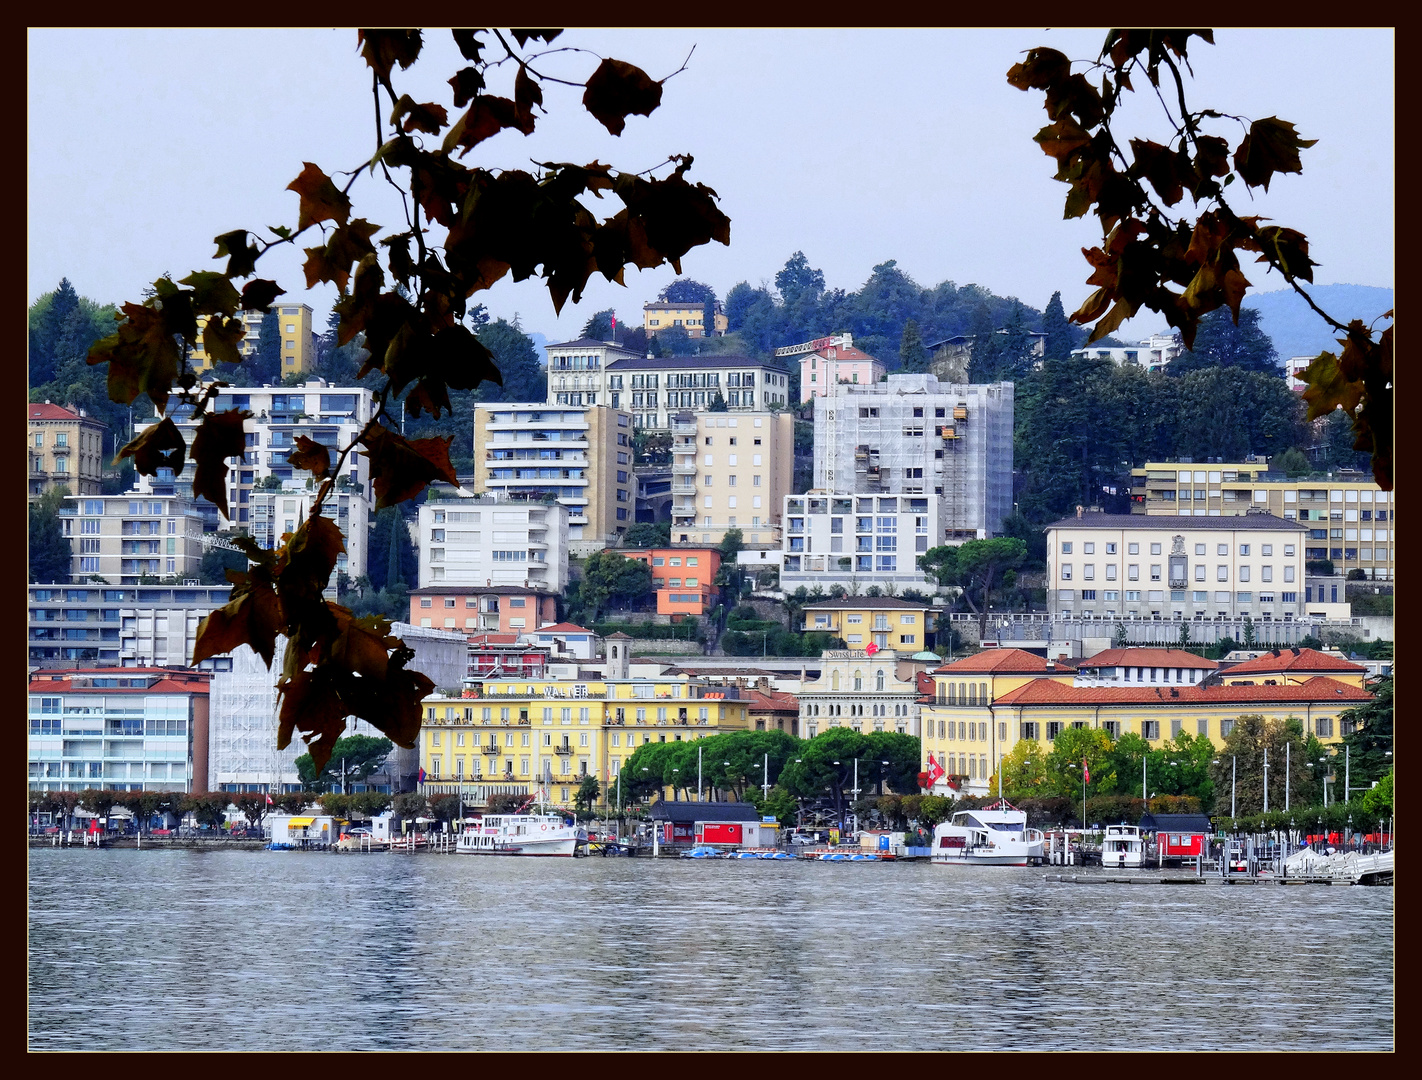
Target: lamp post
765, 787
698, 774
1288, 746
1347, 773
1266, 779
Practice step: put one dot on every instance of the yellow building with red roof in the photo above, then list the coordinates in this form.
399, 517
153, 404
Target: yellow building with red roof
1293, 667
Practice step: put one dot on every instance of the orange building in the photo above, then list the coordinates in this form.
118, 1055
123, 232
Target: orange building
505, 609
682, 577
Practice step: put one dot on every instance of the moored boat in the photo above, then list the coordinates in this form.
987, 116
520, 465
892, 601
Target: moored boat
996, 835
1122, 847
522, 834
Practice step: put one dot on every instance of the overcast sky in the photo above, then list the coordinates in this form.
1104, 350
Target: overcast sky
853, 146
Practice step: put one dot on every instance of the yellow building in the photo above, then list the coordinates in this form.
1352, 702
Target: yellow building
66, 449
660, 316
516, 734
1350, 520
731, 472
983, 705
1293, 667
298, 342
885, 622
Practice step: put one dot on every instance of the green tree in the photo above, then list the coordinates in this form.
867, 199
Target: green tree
646, 534
264, 365
51, 555
1369, 747
982, 565
612, 580
779, 803
1062, 335
798, 279
357, 755
217, 561
599, 327
825, 770
912, 355
1219, 342
517, 358
208, 808
676, 341
1070, 749
1024, 771
1238, 768
587, 793
942, 563
718, 404
1293, 463
1378, 800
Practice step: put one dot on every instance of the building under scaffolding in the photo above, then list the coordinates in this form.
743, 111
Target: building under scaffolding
243, 755
914, 435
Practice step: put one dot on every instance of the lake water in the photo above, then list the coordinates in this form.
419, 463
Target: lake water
160, 950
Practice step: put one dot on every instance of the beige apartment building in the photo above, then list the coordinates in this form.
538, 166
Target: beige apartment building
1108, 565
124, 538
730, 472
579, 457
298, 341
66, 448
1350, 520
660, 315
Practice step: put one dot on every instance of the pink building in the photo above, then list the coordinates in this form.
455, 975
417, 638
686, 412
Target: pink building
821, 370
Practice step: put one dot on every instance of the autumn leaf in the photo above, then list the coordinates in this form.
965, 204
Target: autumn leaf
466, 83
527, 94
1271, 146
311, 702
220, 437
258, 295
383, 49
212, 293
142, 355
252, 617
401, 468
523, 37
346, 245
311, 456
321, 200
311, 555
241, 256
487, 116
220, 338
159, 446
429, 117
617, 90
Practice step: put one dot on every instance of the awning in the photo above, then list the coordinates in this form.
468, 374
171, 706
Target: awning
300, 822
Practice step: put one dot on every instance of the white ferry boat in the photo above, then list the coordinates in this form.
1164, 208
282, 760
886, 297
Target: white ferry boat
996, 835
522, 834
1122, 846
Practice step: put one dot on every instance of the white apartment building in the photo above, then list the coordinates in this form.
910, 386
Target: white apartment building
494, 541
131, 626
122, 538
858, 540
1152, 353
580, 457
730, 472
274, 513
1105, 565
915, 435
578, 372
656, 389
329, 415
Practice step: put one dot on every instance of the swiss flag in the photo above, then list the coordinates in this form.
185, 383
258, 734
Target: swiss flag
1086, 771
269, 801
935, 770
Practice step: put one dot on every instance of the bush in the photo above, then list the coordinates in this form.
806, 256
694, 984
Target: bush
1322, 567
1356, 574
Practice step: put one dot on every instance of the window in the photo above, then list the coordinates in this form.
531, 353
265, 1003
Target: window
1324, 727
1150, 729
1155, 571
1030, 729
1088, 572
1066, 571
1133, 549
1155, 549
1222, 573
1066, 547
1244, 573
1133, 572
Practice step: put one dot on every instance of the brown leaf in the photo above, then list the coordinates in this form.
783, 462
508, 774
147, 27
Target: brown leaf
311, 702
142, 355
258, 295
347, 244
487, 116
311, 556
469, 43
311, 456
321, 200
1289, 249
401, 468
617, 90
220, 437
220, 338
158, 446
466, 83
523, 37
252, 617
1271, 146
212, 293
429, 117
1161, 167
527, 94
242, 256
383, 49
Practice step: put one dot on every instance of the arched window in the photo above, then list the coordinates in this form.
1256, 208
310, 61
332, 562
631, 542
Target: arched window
834, 680
858, 681
879, 680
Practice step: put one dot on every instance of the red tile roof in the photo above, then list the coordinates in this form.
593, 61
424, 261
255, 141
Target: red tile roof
561, 628
772, 700
1176, 658
1300, 660
186, 683
43, 410
1316, 691
1004, 662
493, 639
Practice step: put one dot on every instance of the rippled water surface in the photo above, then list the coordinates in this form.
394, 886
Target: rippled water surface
286, 950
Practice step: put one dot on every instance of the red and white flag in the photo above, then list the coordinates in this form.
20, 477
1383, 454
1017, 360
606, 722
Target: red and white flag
1086, 771
935, 770
269, 801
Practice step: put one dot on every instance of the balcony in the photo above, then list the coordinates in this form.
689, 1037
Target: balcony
681, 427
683, 489
563, 751
684, 468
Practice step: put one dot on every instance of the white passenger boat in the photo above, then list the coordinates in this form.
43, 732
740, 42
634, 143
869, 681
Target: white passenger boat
996, 835
522, 834
1122, 846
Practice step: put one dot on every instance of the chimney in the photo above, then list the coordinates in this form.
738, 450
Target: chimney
1079, 511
